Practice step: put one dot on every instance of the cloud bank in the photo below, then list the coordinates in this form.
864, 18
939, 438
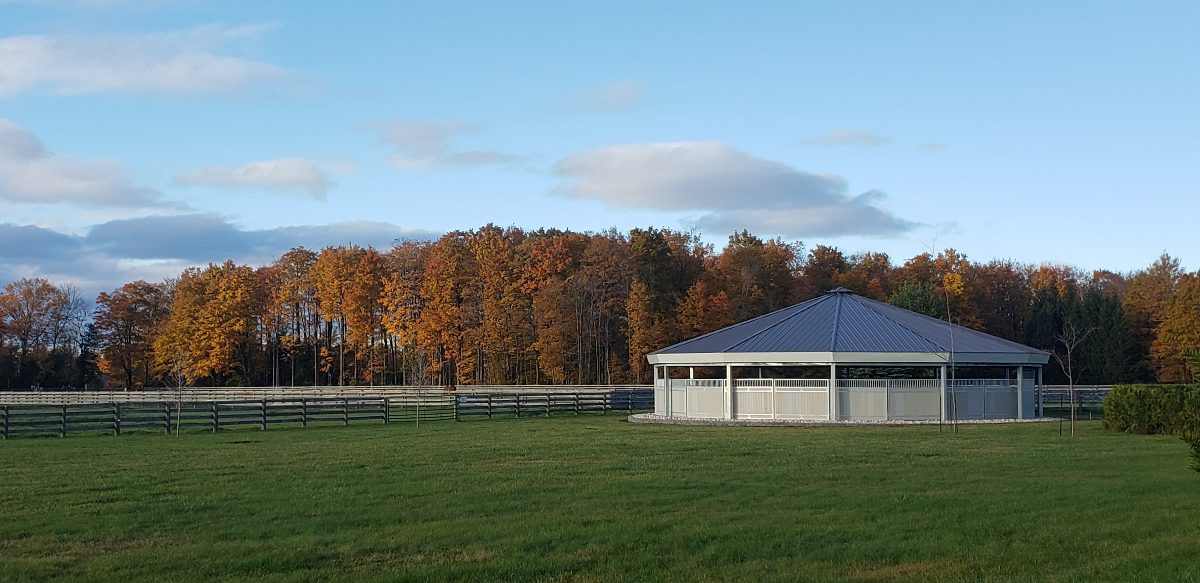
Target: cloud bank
117, 252
723, 189
286, 175
182, 61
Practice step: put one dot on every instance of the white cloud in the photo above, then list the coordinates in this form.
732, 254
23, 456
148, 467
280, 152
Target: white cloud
285, 175
29, 173
848, 137
423, 145
178, 61
725, 189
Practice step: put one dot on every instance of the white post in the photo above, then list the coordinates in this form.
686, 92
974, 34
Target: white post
887, 400
772, 398
833, 392
1020, 392
1041, 405
667, 381
729, 412
943, 393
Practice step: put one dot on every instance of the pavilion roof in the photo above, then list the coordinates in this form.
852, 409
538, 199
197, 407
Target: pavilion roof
842, 321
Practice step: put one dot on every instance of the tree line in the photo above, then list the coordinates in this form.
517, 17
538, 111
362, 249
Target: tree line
508, 306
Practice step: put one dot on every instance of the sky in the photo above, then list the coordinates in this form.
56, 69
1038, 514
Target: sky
140, 137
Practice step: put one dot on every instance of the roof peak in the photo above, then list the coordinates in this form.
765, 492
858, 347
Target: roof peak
839, 290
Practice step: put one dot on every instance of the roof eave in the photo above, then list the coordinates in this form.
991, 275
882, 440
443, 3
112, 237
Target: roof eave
846, 358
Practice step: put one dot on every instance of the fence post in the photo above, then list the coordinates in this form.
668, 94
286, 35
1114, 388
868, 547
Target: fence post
216, 419
263, 410
518, 404
345, 411
62, 429
116, 418
304, 413
547, 404
576, 403
5, 421
166, 418
387, 410
455, 410
489, 403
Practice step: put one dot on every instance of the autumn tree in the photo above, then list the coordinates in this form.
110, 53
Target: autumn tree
757, 276
211, 331
704, 310
44, 322
403, 306
869, 274
1176, 344
823, 270
126, 323
450, 319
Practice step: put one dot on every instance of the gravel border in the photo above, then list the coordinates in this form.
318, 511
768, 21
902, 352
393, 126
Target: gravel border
651, 418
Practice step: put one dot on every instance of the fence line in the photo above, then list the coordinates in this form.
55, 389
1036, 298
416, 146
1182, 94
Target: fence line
234, 393
174, 416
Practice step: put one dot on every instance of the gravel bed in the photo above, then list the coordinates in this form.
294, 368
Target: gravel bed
652, 418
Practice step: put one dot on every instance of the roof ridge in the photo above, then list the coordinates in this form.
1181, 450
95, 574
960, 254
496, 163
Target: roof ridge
807, 305
869, 306
837, 321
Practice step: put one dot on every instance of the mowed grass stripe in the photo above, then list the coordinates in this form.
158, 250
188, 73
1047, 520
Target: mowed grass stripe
600, 499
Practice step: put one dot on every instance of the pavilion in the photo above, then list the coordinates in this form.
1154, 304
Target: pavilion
844, 357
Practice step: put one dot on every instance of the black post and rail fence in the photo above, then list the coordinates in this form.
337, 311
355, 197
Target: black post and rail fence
173, 416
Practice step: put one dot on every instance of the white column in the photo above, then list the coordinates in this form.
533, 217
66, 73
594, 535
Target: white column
1041, 411
833, 392
944, 393
772, 398
729, 403
1020, 392
667, 380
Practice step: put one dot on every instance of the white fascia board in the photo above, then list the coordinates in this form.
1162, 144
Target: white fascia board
843, 358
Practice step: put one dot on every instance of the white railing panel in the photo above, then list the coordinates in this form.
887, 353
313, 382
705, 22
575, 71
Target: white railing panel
705, 402
802, 404
867, 403
914, 403
1001, 402
753, 405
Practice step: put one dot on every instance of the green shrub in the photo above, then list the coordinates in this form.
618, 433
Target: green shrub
1165, 409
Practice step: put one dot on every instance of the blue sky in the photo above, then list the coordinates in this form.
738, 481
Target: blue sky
139, 137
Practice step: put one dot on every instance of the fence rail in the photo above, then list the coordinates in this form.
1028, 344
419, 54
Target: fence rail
300, 411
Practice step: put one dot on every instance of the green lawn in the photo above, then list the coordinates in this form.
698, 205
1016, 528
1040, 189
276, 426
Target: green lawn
600, 499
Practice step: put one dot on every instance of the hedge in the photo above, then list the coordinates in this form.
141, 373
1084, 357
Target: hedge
1166, 409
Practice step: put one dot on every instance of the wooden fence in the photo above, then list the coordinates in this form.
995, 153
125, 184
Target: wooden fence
491, 405
174, 416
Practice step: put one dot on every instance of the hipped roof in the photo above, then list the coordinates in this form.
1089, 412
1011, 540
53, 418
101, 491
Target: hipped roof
844, 322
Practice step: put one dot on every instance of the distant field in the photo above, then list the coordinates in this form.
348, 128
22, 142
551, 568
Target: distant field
599, 499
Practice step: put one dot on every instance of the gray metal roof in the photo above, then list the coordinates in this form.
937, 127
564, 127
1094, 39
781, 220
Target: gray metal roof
842, 321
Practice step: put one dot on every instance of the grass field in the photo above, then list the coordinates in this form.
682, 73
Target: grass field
600, 499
